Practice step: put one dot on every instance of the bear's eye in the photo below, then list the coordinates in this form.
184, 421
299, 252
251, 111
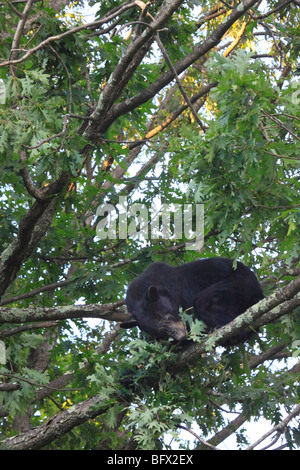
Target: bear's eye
158, 315
168, 317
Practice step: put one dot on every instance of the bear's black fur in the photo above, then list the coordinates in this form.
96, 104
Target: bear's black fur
212, 289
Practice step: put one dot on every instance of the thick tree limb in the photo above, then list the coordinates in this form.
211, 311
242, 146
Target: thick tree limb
226, 431
22, 315
281, 302
32, 228
56, 426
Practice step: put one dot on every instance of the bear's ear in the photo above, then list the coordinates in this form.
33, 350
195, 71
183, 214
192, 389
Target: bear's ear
130, 323
152, 294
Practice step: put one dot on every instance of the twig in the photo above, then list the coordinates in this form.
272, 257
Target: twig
68, 75
21, 329
19, 30
37, 291
143, 6
36, 384
33, 36
211, 16
60, 134
277, 46
227, 4
14, 9
287, 115
93, 25
270, 12
279, 428
280, 124
222, 409
198, 437
181, 89
276, 155
36, 193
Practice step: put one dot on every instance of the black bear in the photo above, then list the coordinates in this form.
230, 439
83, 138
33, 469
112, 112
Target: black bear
213, 289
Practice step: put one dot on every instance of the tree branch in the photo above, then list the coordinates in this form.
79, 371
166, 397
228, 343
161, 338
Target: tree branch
200, 50
281, 302
32, 314
279, 428
49, 40
181, 89
19, 31
31, 230
204, 443
274, 10
20, 329
226, 431
136, 147
58, 425
60, 382
34, 292
126, 67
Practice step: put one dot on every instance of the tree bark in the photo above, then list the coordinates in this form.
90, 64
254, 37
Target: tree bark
31, 314
56, 426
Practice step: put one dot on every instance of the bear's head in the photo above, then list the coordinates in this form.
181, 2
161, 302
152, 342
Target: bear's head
156, 313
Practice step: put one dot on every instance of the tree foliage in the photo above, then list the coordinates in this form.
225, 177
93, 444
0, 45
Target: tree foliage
171, 100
